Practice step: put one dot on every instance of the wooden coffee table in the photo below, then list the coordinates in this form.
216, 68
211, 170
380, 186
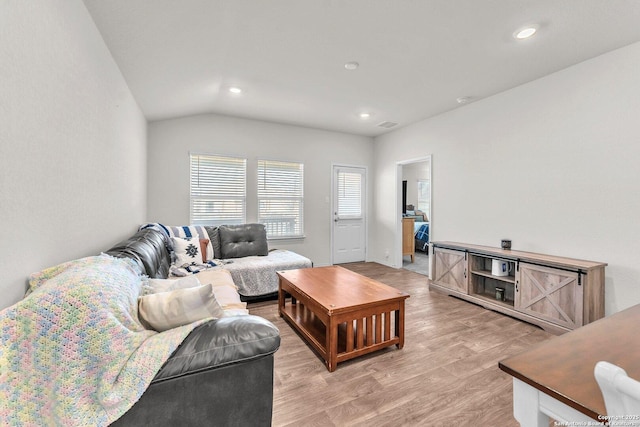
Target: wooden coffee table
341, 314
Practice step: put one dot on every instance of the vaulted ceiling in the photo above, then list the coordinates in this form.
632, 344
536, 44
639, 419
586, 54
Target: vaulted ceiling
416, 57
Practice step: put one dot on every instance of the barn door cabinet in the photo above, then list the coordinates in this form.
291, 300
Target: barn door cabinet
556, 293
451, 270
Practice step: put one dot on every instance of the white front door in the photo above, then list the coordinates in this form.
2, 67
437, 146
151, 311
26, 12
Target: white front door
349, 214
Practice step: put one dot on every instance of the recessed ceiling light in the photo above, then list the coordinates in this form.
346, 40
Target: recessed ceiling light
464, 100
365, 116
235, 90
525, 33
351, 65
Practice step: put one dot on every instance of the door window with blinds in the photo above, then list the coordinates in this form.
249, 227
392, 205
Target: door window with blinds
218, 190
349, 195
281, 198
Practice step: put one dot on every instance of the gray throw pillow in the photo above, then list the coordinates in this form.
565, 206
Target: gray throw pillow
237, 241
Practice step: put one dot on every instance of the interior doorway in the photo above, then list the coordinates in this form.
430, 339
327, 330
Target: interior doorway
415, 208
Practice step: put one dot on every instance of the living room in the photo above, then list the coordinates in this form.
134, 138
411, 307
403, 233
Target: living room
549, 164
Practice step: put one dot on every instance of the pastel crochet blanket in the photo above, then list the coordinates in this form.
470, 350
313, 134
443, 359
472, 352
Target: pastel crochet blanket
73, 352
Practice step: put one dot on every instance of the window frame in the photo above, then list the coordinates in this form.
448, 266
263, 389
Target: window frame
346, 188
297, 196
421, 202
242, 196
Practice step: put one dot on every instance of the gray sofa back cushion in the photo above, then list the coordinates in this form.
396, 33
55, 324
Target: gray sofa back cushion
212, 231
237, 241
150, 248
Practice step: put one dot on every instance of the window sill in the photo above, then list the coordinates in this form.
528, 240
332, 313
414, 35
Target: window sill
280, 238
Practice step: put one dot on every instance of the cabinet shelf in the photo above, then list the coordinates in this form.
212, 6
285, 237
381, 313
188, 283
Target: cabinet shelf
508, 279
492, 300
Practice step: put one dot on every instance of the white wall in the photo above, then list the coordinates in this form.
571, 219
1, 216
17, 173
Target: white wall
171, 141
72, 142
552, 164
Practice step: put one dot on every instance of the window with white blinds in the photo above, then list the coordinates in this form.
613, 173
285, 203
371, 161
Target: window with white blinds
281, 198
349, 194
218, 190
424, 197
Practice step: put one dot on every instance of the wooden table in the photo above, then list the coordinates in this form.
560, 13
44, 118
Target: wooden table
341, 314
555, 379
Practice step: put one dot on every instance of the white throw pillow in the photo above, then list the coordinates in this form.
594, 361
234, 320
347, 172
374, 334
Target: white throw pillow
168, 310
187, 251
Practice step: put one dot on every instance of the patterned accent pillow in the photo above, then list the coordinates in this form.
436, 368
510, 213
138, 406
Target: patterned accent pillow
187, 251
168, 310
197, 231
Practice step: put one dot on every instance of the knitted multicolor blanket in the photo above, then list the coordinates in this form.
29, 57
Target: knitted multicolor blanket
74, 352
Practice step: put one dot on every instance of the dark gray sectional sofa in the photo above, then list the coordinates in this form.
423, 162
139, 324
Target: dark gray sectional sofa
222, 373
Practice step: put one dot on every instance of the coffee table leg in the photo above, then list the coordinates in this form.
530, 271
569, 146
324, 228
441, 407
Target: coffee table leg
332, 345
400, 325
280, 300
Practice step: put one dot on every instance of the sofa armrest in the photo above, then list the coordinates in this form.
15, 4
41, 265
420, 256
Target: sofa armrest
219, 343
222, 374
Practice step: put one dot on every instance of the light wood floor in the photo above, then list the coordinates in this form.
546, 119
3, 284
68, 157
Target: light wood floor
446, 375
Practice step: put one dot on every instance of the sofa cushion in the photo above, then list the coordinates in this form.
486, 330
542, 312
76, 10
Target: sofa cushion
212, 231
168, 310
150, 248
237, 241
221, 342
256, 276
